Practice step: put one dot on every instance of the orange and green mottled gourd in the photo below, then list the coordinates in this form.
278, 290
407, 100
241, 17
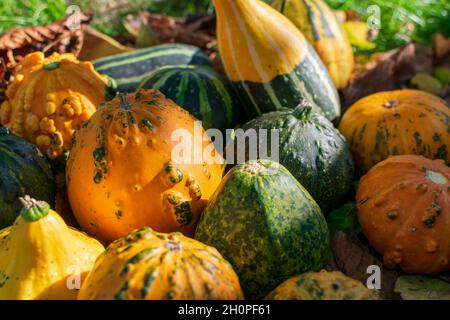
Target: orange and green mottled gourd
322, 285
125, 169
50, 97
404, 210
319, 25
41, 257
396, 123
146, 265
269, 61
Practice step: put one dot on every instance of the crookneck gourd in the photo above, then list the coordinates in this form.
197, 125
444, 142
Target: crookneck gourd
269, 61
42, 258
404, 210
319, 25
146, 265
323, 285
23, 170
141, 160
50, 97
395, 123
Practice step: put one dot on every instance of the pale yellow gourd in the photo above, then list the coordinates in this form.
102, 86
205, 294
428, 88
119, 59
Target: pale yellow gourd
41, 257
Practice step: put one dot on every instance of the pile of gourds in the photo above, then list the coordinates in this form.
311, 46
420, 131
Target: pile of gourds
182, 230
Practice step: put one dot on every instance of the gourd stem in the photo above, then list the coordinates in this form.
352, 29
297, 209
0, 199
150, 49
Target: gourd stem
123, 101
33, 210
302, 111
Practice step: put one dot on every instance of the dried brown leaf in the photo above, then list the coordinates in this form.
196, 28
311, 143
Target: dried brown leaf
197, 30
389, 71
441, 45
98, 45
62, 36
352, 257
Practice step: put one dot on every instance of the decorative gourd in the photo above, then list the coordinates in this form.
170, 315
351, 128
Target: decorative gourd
404, 210
199, 90
147, 265
42, 258
266, 225
50, 98
312, 150
322, 285
23, 170
123, 171
130, 68
269, 61
320, 27
395, 123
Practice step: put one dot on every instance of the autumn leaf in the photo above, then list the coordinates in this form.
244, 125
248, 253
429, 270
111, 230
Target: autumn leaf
389, 71
353, 257
63, 36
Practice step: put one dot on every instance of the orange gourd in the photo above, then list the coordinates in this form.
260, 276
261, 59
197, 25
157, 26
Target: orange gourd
147, 265
121, 173
404, 210
395, 123
50, 97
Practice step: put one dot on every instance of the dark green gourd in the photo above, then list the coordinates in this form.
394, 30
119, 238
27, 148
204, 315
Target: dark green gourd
23, 171
313, 150
199, 90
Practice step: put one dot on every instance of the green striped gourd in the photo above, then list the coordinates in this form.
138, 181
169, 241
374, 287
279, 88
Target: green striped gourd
199, 90
128, 69
269, 60
23, 171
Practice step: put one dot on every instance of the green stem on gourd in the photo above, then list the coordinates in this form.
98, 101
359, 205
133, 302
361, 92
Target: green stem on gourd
52, 65
302, 111
33, 210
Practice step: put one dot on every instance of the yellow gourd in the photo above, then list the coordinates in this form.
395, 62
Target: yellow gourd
41, 257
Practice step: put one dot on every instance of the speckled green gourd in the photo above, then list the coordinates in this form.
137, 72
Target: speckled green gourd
324, 285
23, 171
266, 225
313, 150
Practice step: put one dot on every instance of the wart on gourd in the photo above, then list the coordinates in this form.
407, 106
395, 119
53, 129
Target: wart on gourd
113, 152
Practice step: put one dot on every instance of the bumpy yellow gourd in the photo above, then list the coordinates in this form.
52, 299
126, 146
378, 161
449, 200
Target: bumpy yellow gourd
41, 257
51, 97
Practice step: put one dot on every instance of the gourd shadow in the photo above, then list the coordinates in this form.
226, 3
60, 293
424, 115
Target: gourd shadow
60, 291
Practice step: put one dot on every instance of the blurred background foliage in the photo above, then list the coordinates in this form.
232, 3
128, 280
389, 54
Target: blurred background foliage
401, 20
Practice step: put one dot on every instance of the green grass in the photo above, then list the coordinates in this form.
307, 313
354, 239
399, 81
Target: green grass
425, 16
14, 13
